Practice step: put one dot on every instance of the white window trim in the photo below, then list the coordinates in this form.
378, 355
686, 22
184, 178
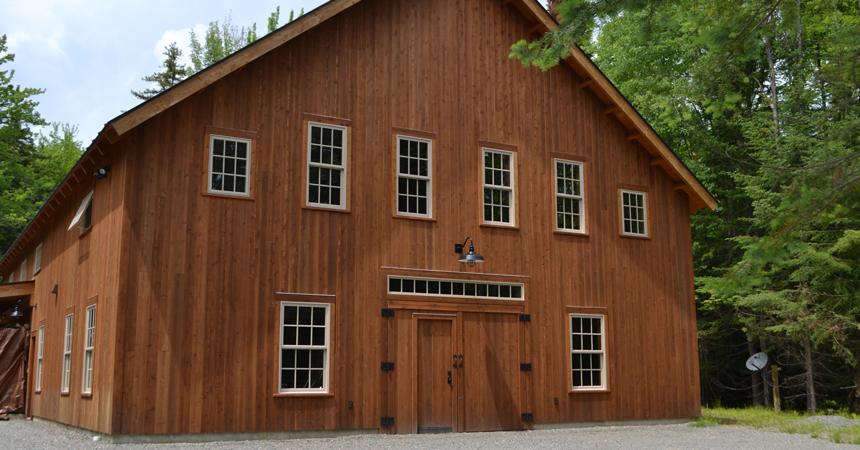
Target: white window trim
23, 276
209, 189
644, 209
603, 368
40, 351
511, 189
67, 354
580, 197
89, 355
84, 203
344, 183
428, 178
38, 267
327, 348
453, 280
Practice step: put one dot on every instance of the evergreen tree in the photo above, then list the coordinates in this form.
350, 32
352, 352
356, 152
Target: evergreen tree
173, 73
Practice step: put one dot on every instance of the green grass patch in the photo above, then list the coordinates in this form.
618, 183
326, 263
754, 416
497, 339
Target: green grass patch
785, 422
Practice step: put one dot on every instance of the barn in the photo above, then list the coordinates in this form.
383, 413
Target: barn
371, 220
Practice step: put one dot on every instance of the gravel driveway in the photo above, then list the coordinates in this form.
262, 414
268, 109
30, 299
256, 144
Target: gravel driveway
23, 434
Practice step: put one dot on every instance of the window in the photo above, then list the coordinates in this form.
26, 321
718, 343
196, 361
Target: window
587, 352
67, 354
11, 277
327, 166
38, 259
635, 222
40, 347
569, 204
89, 341
85, 212
498, 187
304, 347
23, 276
438, 287
414, 177
229, 165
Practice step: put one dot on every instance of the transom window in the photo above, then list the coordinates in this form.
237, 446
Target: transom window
304, 347
438, 287
89, 342
498, 187
229, 165
587, 352
67, 354
327, 166
414, 177
634, 220
569, 203
39, 352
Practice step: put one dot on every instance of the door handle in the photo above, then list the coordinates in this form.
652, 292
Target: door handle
455, 361
461, 361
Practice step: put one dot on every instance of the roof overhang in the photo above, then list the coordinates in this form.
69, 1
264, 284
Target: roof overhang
17, 291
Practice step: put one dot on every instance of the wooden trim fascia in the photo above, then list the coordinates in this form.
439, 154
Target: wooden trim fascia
586, 68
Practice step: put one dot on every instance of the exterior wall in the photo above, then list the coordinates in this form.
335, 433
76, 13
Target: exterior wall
197, 329
86, 271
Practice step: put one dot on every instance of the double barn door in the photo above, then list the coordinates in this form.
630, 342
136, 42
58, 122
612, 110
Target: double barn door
466, 373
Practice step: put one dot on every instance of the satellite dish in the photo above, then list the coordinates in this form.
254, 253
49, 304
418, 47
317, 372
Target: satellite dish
757, 361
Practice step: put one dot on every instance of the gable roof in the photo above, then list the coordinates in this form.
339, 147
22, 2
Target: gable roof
593, 78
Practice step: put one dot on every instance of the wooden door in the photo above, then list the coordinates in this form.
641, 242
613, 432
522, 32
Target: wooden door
491, 372
434, 374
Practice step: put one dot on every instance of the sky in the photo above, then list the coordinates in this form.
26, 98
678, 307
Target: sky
88, 55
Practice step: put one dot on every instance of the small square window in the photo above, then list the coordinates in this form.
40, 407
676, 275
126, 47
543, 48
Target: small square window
229, 166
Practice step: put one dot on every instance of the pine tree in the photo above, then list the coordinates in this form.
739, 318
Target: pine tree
173, 73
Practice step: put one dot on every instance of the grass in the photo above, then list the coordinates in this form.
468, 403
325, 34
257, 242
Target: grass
785, 422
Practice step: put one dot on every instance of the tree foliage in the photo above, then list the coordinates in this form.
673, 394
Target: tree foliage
173, 73
760, 98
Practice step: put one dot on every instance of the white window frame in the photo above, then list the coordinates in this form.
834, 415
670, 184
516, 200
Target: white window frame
428, 178
565, 196
67, 354
601, 352
490, 286
343, 167
512, 188
23, 276
81, 209
644, 209
40, 351
326, 348
89, 344
38, 267
212, 156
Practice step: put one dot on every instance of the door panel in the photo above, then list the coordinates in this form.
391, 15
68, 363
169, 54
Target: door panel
491, 372
435, 394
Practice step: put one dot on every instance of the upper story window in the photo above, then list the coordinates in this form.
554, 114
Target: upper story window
229, 165
633, 213
569, 201
23, 276
587, 352
84, 216
326, 166
499, 207
38, 259
67, 354
11, 277
89, 343
304, 347
414, 177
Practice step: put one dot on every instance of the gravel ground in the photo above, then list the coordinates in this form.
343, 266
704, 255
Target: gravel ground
23, 434
833, 421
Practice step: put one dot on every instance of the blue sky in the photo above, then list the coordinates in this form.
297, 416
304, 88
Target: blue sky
88, 55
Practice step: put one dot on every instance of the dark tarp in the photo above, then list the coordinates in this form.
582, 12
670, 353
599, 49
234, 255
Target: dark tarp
13, 368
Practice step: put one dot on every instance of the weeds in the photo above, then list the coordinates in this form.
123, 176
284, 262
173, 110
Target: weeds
785, 422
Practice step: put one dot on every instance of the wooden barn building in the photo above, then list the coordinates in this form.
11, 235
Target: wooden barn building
269, 248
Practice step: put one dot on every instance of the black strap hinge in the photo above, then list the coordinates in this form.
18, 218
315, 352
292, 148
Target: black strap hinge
525, 317
386, 421
527, 417
387, 366
387, 312
525, 366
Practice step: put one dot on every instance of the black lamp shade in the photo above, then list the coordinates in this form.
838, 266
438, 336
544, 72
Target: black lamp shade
471, 258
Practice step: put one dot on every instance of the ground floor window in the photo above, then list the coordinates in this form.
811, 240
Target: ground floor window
587, 352
304, 347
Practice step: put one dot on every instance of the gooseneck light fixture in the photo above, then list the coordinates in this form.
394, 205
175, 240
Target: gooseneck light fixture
15, 312
469, 258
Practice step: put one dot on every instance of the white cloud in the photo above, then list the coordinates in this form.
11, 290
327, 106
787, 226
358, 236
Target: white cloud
183, 41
